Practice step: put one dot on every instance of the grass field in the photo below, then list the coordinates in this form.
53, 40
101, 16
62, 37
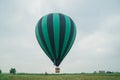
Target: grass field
61, 77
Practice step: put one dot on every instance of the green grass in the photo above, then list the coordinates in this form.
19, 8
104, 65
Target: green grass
61, 77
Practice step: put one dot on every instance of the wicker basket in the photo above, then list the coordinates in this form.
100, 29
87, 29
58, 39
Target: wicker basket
57, 70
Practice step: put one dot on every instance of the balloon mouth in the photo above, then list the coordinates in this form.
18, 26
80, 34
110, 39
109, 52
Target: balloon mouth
57, 62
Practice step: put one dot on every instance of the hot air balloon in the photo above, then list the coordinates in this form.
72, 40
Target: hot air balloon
55, 32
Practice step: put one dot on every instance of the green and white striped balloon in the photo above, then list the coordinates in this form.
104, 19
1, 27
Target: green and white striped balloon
56, 33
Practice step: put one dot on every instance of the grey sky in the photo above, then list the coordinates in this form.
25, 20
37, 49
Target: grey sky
97, 45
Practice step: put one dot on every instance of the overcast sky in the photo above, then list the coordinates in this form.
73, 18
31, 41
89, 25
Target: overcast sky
97, 44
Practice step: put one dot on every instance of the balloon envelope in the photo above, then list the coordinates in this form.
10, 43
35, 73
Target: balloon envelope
55, 33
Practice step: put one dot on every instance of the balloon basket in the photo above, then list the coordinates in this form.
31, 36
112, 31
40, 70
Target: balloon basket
57, 70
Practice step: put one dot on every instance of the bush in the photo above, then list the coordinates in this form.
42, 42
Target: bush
0, 71
12, 71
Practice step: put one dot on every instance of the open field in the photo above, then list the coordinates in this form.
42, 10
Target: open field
61, 77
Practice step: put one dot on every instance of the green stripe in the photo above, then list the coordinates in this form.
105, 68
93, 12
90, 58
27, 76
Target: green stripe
45, 34
67, 34
56, 28
72, 41
39, 41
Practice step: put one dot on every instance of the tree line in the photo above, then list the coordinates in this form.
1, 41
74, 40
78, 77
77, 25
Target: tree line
11, 71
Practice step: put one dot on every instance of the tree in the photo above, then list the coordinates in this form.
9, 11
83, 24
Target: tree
0, 71
12, 71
